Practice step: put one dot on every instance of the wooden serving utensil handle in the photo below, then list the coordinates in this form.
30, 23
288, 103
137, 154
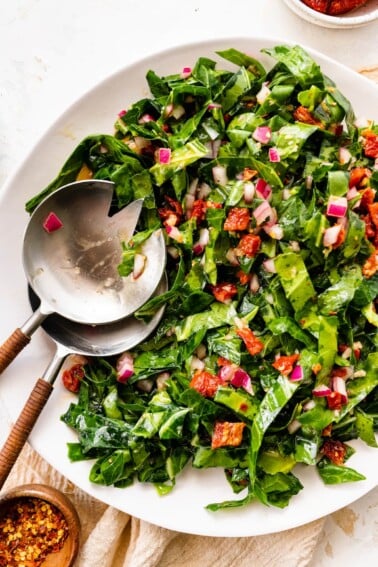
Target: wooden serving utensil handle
12, 346
23, 426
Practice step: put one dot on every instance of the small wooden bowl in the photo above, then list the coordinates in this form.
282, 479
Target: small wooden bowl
67, 555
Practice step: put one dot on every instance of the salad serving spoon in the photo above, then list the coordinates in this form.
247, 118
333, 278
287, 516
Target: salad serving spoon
71, 251
70, 338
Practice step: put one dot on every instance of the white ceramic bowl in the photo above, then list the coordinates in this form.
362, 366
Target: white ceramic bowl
358, 17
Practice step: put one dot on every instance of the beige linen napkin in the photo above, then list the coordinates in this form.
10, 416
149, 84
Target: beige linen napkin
110, 538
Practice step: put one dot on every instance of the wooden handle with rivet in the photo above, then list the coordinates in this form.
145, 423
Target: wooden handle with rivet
12, 346
23, 426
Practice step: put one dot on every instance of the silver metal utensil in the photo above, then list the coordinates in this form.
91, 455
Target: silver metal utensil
73, 269
71, 338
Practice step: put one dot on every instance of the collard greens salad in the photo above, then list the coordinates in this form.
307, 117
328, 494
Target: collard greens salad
265, 185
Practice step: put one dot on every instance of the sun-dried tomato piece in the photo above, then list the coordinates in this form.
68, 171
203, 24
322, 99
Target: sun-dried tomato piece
335, 401
243, 278
334, 7
237, 219
249, 245
335, 451
72, 377
370, 267
205, 383
373, 212
227, 434
370, 143
302, 114
253, 343
172, 213
249, 173
358, 176
285, 364
224, 292
198, 211
367, 198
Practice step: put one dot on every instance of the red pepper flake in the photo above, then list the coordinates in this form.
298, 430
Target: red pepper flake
30, 530
335, 451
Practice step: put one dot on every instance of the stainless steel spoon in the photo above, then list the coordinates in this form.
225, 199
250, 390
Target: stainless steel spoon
73, 269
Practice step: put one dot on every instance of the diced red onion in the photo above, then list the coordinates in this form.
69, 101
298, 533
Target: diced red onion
168, 109
146, 118
241, 379
331, 235
262, 134
294, 426
164, 155
178, 111
161, 380
294, 245
213, 105
232, 257
145, 385
122, 113
263, 93
139, 265
262, 213
141, 142
220, 175
52, 223
338, 385
297, 373
308, 181
269, 266
202, 242
352, 193
189, 201
337, 206
249, 192
361, 122
204, 190
309, 405
174, 233
226, 372
196, 363
275, 231
344, 155
125, 367
254, 284
173, 252
263, 189
274, 155
321, 391
186, 72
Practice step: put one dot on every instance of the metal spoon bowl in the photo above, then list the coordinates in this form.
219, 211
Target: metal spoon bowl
74, 269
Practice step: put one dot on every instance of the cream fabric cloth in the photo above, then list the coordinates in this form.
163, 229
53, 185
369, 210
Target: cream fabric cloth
110, 538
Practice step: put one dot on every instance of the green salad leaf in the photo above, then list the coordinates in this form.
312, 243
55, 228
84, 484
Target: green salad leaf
266, 355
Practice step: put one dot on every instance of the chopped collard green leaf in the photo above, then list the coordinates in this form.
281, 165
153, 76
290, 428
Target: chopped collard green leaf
265, 186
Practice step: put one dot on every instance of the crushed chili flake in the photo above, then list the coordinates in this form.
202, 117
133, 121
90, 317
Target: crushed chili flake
30, 530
